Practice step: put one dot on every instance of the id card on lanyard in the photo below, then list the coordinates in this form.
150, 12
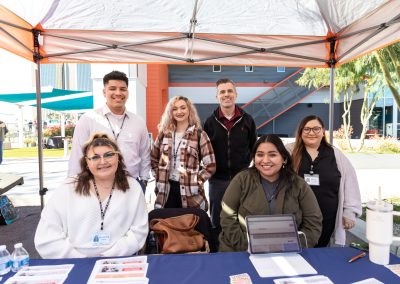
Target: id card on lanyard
311, 178
101, 238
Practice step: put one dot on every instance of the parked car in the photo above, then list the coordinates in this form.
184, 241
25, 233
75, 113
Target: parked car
53, 142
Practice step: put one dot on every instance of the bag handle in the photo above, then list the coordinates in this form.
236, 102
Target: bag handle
171, 222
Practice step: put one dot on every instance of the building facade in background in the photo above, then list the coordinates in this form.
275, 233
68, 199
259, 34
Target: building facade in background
269, 94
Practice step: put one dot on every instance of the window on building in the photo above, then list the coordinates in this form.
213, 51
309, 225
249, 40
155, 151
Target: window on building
398, 124
280, 69
381, 121
248, 68
217, 68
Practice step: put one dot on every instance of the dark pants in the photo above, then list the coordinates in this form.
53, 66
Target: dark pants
328, 226
174, 197
217, 189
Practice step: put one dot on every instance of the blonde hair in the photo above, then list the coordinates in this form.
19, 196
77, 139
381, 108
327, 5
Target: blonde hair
168, 124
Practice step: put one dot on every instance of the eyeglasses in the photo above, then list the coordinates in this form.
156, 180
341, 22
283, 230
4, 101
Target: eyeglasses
107, 157
315, 129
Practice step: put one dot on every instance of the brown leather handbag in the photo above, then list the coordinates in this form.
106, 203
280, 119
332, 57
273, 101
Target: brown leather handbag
178, 234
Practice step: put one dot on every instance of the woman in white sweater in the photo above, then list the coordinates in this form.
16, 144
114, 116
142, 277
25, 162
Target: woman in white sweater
99, 212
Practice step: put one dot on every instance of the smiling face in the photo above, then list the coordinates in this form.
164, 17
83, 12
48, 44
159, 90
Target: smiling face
268, 161
312, 133
180, 112
102, 162
226, 95
116, 94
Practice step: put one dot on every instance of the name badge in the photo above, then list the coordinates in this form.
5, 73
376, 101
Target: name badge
101, 238
311, 179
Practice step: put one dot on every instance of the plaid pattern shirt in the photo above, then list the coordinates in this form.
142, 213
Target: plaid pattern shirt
192, 177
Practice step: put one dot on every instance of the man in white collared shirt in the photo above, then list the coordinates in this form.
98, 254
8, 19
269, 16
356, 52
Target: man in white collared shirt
128, 129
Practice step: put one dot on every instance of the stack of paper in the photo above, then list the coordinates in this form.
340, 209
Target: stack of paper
318, 279
120, 270
395, 268
55, 274
277, 265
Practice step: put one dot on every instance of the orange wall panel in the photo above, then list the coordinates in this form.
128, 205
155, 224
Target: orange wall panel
156, 95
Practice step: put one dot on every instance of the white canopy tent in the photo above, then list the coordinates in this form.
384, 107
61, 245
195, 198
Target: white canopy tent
307, 33
292, 33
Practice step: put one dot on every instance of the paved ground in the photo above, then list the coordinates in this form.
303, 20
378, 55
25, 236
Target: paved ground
373, 171
377, 170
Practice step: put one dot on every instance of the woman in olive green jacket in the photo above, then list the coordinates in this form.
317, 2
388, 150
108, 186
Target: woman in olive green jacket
270, 186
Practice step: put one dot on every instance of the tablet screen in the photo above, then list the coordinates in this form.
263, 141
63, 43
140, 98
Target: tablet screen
272, 234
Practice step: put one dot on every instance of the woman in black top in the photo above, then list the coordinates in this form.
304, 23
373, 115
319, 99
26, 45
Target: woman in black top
331, 177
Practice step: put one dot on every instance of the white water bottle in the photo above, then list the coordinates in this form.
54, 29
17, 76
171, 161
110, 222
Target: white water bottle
5, 260
19, 257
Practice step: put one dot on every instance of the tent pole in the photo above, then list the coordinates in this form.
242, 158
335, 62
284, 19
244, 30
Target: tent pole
332, 103
332, 62
42, 190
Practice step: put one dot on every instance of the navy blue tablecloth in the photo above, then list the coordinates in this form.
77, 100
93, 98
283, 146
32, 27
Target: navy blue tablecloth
217, 267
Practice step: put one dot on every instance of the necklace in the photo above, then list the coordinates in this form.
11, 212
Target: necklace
102, 212
112, 129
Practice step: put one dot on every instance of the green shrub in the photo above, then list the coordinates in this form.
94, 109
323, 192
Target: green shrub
387, 145
396, 207
28, 140
342, 144
56, 131
339, 133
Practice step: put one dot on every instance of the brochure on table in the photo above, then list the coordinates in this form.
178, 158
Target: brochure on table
55, 274
120, 270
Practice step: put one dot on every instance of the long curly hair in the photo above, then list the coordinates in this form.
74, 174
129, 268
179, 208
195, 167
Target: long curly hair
168, 124
85, 176
299, 146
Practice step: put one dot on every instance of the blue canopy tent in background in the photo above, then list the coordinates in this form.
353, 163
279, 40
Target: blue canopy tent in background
81, 103
54, 99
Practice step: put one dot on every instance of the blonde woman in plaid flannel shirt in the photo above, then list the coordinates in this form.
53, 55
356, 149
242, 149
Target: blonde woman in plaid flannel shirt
179, 163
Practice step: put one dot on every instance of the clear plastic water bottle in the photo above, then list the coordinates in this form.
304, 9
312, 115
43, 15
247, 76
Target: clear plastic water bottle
5, 260
19, 257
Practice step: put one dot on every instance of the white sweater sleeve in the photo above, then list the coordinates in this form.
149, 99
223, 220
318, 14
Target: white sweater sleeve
51, 234
351, 191
135, 237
